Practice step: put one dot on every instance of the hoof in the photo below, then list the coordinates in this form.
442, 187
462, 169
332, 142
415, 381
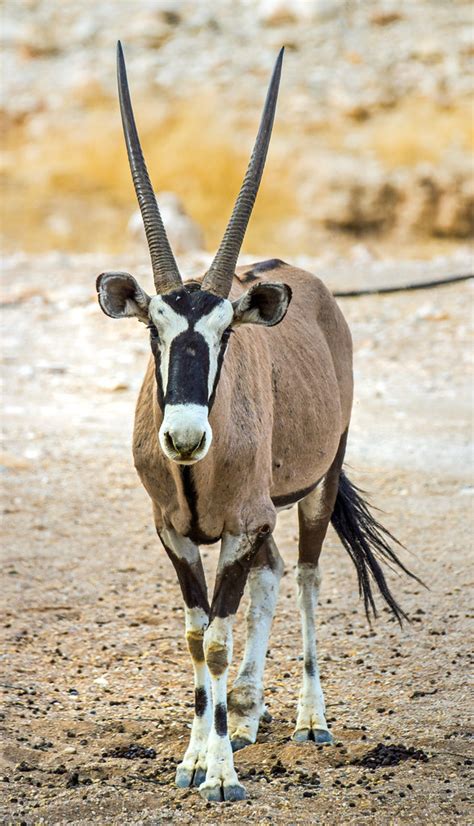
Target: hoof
199, 777
184, 777
322, 736
240, 743
218, 793
318, 735
189, 777
265, 716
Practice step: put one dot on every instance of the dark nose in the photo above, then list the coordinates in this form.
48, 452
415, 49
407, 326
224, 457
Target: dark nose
186, 447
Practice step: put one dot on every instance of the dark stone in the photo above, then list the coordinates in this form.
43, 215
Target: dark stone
73, 781
132, 752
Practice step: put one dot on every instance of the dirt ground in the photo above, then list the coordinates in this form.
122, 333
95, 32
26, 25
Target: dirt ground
94, 658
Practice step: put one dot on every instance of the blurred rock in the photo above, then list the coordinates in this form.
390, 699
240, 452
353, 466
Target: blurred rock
183, 233
11, 462
439, 201
59, 225
357, 197
455, 214
386, 15
278, 12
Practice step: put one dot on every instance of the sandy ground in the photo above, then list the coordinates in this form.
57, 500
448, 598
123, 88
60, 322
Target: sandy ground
94, 658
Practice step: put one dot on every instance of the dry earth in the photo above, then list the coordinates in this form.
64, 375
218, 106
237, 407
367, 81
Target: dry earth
94, 658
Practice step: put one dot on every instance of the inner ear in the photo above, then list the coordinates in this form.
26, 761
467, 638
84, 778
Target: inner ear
120, 296
265, 303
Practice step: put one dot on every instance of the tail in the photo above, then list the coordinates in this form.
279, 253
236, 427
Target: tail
367, 543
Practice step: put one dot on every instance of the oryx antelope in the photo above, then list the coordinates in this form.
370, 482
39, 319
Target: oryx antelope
244, 409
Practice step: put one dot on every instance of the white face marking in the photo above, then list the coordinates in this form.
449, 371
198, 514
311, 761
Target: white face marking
211, 327
187, 424
169, 325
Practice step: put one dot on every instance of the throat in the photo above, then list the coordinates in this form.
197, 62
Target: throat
194, 533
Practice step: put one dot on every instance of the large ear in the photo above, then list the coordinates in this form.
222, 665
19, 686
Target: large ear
265, 303
120, 296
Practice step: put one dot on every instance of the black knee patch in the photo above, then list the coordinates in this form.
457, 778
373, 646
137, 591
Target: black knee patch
220, 719
310, 667
200, 701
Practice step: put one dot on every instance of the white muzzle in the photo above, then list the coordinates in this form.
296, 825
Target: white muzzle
185, 434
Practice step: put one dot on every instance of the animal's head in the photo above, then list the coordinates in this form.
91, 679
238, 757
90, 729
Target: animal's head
190, 323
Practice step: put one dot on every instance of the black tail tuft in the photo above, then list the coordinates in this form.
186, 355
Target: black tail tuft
367, 543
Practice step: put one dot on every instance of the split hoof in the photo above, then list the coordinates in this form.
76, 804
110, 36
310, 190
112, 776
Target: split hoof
199, 777
319, 736
189, 777
218, 792
240, 743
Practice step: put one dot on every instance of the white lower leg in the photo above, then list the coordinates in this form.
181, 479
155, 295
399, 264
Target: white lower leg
246, 697
193, 766
311, 709
221, 778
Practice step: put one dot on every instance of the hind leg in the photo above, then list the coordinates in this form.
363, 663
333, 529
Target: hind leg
314, 514
245, 701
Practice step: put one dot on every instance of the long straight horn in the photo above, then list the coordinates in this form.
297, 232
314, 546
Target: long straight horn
218, 279
165, 271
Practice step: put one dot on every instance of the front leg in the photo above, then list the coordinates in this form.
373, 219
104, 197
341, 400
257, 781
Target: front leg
188, 565
237, 554
245, 701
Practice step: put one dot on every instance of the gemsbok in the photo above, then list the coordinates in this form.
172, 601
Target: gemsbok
244, 410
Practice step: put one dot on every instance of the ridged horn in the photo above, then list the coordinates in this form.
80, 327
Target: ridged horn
165, 270
218, 279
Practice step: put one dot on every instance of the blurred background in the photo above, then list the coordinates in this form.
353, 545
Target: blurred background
372, 143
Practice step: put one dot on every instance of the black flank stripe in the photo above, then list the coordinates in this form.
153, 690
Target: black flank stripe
291, 498
220, 719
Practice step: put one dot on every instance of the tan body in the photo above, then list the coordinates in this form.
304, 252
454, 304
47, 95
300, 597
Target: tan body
244, 408
283, 402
